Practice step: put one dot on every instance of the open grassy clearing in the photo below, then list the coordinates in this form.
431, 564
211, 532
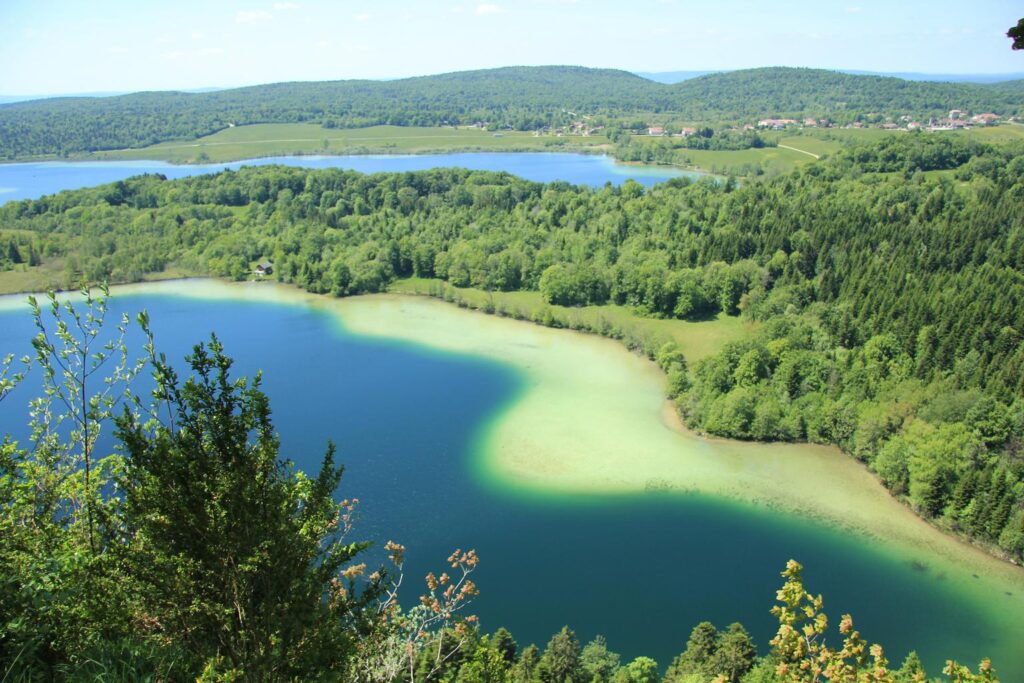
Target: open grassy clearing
811, 144
796, 148
820, 140
278, 139
263, 140
695, 339
1009, 132
52, 275
771, 160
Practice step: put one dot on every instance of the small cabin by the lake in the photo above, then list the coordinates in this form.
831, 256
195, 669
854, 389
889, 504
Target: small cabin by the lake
263, 268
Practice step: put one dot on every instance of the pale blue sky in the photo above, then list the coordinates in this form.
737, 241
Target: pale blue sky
62, 46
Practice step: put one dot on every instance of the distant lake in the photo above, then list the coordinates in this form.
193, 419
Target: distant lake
33, 180
410, 423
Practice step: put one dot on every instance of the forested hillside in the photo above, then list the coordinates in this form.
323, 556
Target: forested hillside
818, 92
522, 98
891, 301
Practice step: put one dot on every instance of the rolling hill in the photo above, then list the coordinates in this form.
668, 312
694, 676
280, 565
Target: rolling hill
522, 98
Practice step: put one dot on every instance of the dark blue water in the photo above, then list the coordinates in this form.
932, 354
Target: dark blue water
33, 180
642, 570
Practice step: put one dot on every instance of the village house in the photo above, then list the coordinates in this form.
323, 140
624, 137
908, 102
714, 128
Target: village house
655, 130
687, 132
263, 268
985, 119
776, 124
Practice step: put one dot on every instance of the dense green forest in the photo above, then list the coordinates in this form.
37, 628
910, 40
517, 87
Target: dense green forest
890, 300
194, 551
522, 98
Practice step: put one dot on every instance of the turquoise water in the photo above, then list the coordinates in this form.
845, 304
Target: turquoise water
33, 180
641, 570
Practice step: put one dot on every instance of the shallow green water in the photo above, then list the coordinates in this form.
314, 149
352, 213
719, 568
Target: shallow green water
413, 425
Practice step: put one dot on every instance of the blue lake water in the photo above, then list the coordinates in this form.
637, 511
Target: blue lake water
641, 570
33, 180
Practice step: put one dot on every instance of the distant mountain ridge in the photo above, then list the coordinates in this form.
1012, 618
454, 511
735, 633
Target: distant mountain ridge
524, 98
9, 99
673, 77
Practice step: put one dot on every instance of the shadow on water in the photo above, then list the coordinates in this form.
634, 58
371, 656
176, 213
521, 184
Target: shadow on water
640, 569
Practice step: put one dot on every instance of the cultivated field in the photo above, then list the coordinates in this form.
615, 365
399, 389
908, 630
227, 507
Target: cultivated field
280, 139
796, 147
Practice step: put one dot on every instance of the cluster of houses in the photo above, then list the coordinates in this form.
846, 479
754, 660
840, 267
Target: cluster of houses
957, 119
659, 131
575, 128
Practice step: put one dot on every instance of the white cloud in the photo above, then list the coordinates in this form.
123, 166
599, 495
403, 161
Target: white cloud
117, 50
210, 51
252, 16
853, 10
282, 6
196, 35
362, 16
486, 8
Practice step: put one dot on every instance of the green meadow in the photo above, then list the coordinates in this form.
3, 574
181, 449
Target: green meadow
52, 275
283, 139
280, 139
772, 160
797, 147
695, 339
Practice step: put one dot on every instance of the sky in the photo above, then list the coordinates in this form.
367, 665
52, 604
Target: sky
80, 46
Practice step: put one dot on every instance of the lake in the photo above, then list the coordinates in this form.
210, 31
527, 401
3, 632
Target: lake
33, 180
465, 430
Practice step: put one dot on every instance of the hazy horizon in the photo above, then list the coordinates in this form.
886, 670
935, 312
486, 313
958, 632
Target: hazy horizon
50, 47
991, 77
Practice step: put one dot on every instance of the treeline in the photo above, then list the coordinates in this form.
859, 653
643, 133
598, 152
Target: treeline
671, 150
915, 152
521, 98
890, 302
193, 550
843, 98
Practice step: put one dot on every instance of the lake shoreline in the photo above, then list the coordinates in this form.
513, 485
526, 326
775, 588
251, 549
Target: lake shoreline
673, 421
115, 157
32, 180
122, 155
588, 428
668, 415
